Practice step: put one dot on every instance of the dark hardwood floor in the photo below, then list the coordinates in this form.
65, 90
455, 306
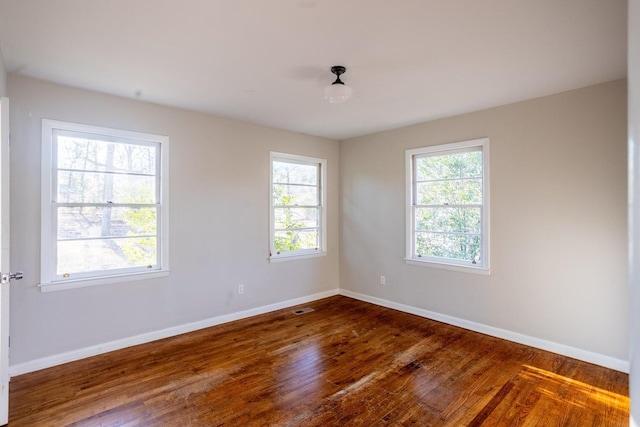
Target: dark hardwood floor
347, 363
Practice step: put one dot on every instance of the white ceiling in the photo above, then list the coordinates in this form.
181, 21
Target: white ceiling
267, 61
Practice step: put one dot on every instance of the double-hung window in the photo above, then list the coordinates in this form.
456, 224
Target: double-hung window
298, 211
448, 205
104, 205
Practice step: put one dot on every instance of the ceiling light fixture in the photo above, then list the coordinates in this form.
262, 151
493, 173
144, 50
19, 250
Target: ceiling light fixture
337, 91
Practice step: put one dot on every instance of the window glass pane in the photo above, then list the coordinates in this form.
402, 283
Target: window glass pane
295, 218
99, 155
451, 220
285, 241
454, 192
454, 246
88, 221
91, 187
75, 256
459, 165
295, 173
292, 195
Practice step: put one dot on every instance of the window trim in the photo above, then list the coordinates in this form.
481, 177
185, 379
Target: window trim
322, 183
447, 263
48, 279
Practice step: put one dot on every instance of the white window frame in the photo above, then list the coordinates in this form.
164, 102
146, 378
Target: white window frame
322, 215
484, 266
49, 280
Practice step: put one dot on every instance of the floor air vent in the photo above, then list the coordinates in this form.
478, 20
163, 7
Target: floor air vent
303, 311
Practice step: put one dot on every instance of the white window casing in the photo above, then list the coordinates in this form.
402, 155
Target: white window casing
445, 206
108, 222
297, 207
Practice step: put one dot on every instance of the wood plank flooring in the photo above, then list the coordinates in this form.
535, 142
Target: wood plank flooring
347, 363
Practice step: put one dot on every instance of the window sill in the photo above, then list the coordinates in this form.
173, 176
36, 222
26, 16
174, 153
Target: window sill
83, 283
461, 268
283, 258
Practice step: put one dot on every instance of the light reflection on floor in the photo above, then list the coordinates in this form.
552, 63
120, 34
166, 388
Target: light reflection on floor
608, 398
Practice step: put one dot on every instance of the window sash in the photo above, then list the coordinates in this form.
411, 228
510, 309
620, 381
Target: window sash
55, 170
452, 260
470, 205
155, 265
105, 172
293, 184
297, 206
297, 229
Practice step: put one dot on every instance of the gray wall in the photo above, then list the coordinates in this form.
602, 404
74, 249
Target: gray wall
3, 76
558, 220
219, 201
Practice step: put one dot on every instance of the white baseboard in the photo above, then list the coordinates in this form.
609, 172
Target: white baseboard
70, 356
565, 350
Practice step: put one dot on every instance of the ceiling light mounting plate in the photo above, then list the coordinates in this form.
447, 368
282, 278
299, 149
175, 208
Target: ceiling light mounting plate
338, 69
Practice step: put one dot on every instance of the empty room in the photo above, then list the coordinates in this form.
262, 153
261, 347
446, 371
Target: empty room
319, 212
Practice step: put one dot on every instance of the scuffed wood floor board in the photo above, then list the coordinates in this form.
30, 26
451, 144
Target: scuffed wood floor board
348, 363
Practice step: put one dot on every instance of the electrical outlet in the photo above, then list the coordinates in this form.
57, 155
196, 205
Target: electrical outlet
383, 280
240, 289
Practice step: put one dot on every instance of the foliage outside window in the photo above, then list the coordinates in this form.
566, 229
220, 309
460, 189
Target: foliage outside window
297, 205
448, 215
104, 202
